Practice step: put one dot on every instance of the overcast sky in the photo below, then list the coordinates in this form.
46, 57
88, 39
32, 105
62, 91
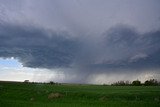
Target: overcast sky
82, 41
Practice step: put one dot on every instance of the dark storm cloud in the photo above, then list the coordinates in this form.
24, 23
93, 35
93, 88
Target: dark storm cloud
120, 47
36, 47
125, 48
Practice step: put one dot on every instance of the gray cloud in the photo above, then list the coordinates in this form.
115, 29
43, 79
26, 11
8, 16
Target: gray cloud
128, 48
119, 47
83, 17
36, 47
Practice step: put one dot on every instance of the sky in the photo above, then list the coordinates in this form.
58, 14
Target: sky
79, 41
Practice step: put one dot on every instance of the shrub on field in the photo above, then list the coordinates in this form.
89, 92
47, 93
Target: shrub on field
51, 82
121, 83
54, 83
136, 83
26, 81
151, 82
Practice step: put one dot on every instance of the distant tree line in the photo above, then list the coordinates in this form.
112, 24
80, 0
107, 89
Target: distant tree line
151, 82
50, 82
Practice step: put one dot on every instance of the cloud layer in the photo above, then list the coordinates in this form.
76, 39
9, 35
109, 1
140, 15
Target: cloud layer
36, 47
119, 47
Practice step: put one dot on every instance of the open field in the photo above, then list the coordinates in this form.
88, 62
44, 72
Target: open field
14, 94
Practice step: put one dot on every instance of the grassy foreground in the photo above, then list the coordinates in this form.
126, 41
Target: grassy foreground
69, 95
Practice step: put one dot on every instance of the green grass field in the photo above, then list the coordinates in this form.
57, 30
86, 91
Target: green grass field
36, 95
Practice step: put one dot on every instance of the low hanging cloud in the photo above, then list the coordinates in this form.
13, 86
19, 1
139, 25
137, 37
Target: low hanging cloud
36, 47
129, 49
121, 47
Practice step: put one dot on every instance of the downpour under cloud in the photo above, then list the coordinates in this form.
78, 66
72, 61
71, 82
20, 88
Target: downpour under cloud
82, 41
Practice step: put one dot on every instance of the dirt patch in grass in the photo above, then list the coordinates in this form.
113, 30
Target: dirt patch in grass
103, 98
54, 95
32, 99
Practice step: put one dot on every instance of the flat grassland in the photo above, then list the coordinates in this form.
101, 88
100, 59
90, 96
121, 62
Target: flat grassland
14, 94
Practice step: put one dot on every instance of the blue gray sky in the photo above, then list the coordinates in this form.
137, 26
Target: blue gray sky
82, 41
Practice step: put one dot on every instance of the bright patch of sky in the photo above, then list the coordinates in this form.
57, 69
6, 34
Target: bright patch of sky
9, 62
12, 70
